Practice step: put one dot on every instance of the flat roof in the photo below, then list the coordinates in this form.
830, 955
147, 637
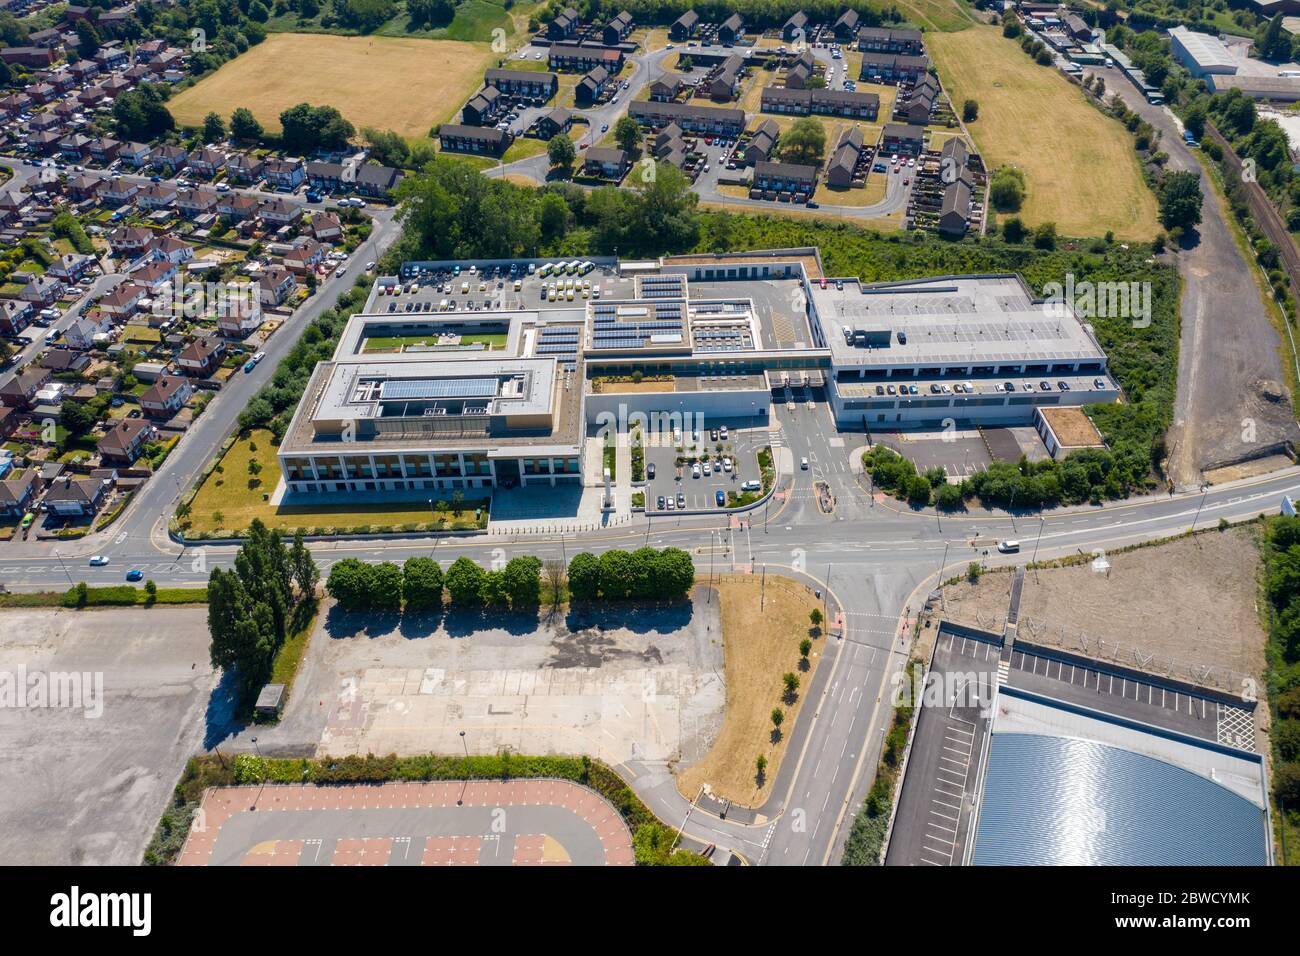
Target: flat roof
1073, 429
1068, 786
985, 319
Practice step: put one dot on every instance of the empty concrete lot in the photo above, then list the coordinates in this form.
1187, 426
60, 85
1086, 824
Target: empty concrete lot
613, 684
84, 789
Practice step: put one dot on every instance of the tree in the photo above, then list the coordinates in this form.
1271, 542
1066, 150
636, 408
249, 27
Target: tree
76, 418
521, 581
1013, 230
554, 215
306, 128
1180, 200
778, 718
555, 578
305, 573
560, 152
387, 146
87, 39
244, 125
1273, 42
386, 587
214, 128
349, 584
422, 584
791, 682
815, 617
1045, 235
627, 133
584, 577
140, 114
805, 648
804, 142
1007, 189
970, 111
434, 13
760, 765
465, 583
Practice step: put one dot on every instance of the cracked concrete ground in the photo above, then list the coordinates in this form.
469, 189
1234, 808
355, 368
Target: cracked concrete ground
585, 682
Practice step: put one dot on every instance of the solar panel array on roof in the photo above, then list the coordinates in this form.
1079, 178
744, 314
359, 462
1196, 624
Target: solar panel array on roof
632, 325
661, 286
560, 341
428, 388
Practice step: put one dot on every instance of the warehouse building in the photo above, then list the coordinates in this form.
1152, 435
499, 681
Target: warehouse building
1201, 53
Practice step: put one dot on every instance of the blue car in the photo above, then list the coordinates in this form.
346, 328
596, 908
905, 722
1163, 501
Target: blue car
720, 498
250, 365
135, 574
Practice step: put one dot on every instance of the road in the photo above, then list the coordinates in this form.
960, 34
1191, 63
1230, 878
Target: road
1229, 346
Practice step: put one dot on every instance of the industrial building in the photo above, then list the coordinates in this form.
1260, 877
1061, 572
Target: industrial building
1201, 53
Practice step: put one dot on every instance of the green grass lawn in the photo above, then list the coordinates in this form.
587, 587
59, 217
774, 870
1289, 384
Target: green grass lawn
226, 501
385, 342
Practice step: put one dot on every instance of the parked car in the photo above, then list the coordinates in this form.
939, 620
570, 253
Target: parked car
720, 498
650, 470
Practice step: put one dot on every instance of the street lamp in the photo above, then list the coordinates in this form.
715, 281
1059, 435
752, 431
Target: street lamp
1034, 560
460, 801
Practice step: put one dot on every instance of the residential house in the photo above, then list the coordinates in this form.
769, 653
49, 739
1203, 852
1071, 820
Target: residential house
325, 177
902, 138
377, 181
800, 72
169, 159
72, 497
279, 212
453, 137
111, 58
122, 300
244, 168
19, 390
84, 186
304, 257
239, 321
617, 29
785, 177
665, 88
284, 173
684, 27
41, 93
169, 248
762, 142
918, 105
123, 441
275, 285
42, 291
155, 274
196, 202
955, 209
572, 57
81, 333
113, 87
15, 315
795, 28
892, 68
775, 99
893, 40
206, 162
846, 27
135, 154
522, 82
129, 241
236, 207
326, 227
103, 150
554, 123
70, 267
706, 120
18, 494
611, 164
156, 196
725, 80
591, 86
83, 71
482, 108
732, 30
201, 357
167, 396
29, 56
844, 160
564, 25
64, 360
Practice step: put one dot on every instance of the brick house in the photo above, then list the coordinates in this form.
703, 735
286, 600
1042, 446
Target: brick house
167, 396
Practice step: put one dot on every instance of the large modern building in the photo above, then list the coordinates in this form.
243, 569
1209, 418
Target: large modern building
1202, 53
432, 389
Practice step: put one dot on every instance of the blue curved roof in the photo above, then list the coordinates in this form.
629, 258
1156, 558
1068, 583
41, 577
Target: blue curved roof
1065, 801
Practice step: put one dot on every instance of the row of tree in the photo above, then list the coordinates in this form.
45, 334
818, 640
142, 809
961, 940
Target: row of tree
418, 584
645, 574
256, 605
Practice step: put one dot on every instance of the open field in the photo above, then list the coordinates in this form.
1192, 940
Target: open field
1030, 116
758, 647
873, 192
408, 85
226, 501
933, 15
1192, 600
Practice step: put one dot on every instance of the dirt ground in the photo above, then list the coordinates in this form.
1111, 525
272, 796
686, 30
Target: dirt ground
759, 646
1174, 609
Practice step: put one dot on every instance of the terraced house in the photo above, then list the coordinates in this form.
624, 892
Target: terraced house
707, 120
573, 58
522, 82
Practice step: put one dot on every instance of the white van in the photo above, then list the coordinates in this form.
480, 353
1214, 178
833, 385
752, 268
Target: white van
1008, 547
752, 485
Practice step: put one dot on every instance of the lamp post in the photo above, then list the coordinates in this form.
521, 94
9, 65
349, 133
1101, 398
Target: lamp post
460, 801
1034, 560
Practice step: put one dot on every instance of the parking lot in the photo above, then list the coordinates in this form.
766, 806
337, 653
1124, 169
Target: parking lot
689, 491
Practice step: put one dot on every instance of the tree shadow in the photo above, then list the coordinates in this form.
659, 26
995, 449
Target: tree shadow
639, 617
417, 625
776, 735
459, 622
340, 623
225, 715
